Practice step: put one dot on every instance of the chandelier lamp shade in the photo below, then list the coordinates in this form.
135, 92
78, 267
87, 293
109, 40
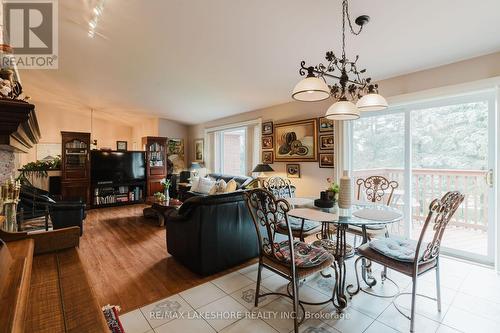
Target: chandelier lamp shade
342, 110
372, 102
351, 91
311, 89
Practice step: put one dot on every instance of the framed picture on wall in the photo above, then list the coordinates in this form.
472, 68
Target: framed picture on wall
267, 142
326, 142
175, 154
267, 157
326, 160
48, 151
121, 145
325, 124
199, 150
267, 128
296, 141
293, 170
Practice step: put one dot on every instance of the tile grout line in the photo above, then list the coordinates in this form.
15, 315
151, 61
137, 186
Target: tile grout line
196, 310
147, 321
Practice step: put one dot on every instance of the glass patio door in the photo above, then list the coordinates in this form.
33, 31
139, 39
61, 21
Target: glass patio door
429, 149
452, 150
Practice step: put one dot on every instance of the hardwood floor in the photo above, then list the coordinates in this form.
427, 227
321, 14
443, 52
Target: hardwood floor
126, 258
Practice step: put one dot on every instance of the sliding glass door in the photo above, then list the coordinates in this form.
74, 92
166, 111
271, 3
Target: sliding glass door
429, 149
378, 149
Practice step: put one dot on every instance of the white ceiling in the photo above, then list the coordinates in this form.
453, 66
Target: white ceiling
198, 60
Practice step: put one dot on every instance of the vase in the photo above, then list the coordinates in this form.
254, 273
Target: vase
345, 193
167, 194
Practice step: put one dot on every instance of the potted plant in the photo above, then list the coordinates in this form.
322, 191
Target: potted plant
159, 196
332, 190
39, 169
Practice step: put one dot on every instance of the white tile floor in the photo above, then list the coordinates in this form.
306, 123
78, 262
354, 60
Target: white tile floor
470, 293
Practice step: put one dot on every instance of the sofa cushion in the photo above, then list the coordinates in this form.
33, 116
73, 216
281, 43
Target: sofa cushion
241, 181
296, 224
205, 185
395, 248
195, 183
305, 254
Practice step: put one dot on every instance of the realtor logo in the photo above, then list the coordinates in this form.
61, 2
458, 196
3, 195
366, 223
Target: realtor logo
32, 31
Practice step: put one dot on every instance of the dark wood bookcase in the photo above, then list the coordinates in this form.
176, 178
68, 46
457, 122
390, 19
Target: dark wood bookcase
75, 166
156, 162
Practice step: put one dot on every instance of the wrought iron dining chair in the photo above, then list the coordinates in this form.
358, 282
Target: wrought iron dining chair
413, 259
375, 189
282, 188
293, 260
279, 187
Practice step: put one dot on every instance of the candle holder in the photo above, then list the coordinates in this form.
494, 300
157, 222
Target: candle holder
9, 198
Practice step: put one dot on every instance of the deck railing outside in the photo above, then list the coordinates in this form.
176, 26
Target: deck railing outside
429, 184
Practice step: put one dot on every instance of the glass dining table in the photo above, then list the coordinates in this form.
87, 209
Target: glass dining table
335, 223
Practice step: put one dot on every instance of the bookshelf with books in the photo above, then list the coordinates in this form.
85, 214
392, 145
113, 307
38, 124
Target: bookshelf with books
156, 162
75, 166
110, 194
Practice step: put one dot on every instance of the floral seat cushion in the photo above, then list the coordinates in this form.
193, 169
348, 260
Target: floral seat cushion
305, 255
296, 224
395, 248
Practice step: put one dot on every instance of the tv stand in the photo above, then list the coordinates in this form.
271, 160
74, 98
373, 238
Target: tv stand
109, 193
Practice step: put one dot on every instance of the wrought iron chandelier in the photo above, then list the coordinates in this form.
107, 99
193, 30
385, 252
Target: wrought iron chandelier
351, 87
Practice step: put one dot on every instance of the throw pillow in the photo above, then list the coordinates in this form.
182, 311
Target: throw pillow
205, 185
221, 186
231, 186
218, 188
213, 190
195, 183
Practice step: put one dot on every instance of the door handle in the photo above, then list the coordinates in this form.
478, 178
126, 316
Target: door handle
489, 178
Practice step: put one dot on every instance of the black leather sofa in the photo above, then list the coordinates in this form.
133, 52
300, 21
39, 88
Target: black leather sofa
35, 203
243, 182
209, 234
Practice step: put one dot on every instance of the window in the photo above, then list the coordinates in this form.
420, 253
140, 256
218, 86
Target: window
230, 151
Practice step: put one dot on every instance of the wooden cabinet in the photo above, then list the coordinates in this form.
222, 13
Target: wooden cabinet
156, 162
75, 166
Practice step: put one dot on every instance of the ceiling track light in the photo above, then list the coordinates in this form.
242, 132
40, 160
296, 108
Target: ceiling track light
351, 87
97, 13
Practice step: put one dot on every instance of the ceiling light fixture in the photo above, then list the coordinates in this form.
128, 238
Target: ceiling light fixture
351, 86
97, 13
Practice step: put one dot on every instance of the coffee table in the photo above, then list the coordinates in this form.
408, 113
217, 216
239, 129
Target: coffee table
160, 208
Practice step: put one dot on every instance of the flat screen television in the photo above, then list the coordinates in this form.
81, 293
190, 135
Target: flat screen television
117, 166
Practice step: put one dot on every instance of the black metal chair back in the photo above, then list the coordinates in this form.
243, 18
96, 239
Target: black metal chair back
440, 213
375, 188
267, 212
279, 187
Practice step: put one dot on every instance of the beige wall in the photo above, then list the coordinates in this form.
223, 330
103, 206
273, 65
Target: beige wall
52, 120
474, 69
144, 127
313, 178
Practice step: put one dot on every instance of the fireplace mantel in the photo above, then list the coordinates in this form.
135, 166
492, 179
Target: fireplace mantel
19, 129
